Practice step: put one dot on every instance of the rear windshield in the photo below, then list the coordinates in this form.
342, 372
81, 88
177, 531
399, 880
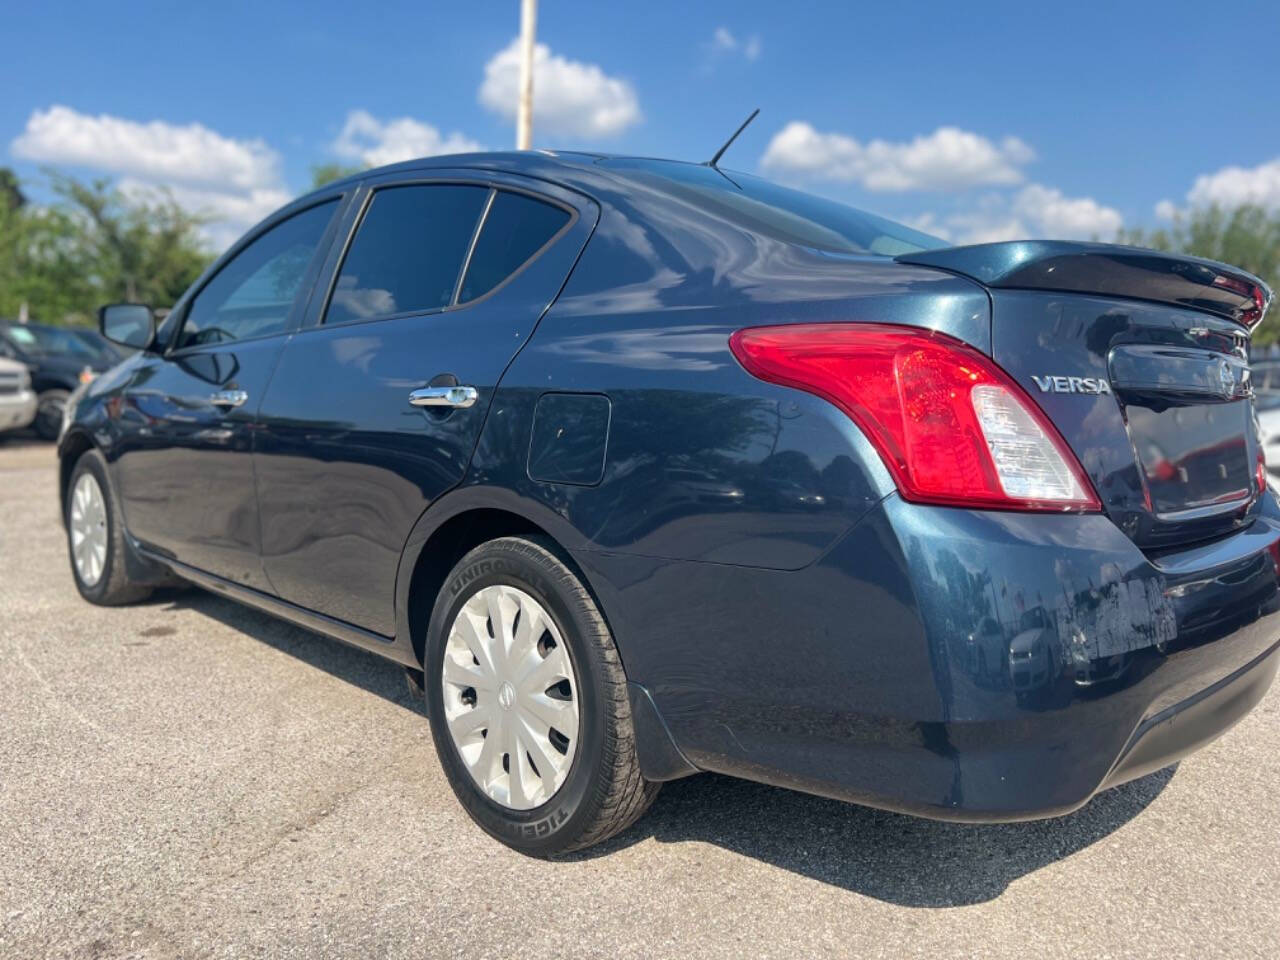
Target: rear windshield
789, 215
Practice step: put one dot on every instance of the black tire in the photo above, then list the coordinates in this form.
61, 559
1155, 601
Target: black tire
603, 792
49, 406
113, 586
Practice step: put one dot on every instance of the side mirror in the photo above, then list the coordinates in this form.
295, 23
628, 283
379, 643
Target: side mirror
130, 324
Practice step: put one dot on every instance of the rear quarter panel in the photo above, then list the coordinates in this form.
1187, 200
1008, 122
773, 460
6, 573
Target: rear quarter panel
704, 465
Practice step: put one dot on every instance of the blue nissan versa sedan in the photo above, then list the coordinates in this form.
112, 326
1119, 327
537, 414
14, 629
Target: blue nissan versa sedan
643, 468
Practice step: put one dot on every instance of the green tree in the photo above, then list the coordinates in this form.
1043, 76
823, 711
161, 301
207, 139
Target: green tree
42, 264
323, 173
141, 249
1247, 237
11, 195
93, 245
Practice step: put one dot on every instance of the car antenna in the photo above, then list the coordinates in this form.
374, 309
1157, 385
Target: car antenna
728, 143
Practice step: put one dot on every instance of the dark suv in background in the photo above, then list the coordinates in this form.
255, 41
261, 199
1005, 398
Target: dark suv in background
59, 359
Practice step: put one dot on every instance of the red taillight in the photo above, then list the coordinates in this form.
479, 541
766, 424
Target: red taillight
1250, 316
950, 425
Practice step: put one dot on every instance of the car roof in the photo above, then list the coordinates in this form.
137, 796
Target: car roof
573, 167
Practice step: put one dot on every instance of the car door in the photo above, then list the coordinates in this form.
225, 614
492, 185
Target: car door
182, 454
443, 278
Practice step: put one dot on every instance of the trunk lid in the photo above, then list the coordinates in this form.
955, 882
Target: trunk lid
1140, 360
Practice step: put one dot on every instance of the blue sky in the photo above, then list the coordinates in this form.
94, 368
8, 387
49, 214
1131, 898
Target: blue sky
974, 120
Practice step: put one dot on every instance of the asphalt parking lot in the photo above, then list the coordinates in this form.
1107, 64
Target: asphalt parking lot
189, 778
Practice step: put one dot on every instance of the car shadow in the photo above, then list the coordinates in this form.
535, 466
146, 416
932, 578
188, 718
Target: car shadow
350, 664
899, 859
21, 439
892, 857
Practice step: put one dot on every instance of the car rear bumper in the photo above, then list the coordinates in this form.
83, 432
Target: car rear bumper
962, 665
1187, 726
17, 410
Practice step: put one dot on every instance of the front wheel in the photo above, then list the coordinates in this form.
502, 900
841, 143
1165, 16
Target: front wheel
528, 702
95, 536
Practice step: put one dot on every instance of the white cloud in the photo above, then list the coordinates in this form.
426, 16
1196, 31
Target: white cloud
157, 150
1035, 211
979, 230
228, 213
1065, 218
234, 182
377, 142
569, 97
947, 159
954, 160
1235, 186
723, 41
988, 219
927, 222
1228, 187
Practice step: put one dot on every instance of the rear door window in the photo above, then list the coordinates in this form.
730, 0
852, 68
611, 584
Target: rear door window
516, 228
408, 251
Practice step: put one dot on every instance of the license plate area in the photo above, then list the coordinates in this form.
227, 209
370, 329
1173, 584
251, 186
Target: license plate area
1193, 458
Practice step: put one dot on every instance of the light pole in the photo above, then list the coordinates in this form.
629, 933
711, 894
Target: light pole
528, 30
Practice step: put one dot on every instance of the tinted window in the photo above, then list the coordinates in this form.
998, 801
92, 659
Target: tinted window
102, 349
408, 252
789, 215
254, 293
516, 228
51, 342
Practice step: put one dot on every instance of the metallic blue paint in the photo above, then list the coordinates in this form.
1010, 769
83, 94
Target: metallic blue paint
781, 613
1035, 334
171, 444
569, 437
344, 471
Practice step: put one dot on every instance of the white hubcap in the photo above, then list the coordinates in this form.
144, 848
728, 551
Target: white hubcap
510, 697
88, 529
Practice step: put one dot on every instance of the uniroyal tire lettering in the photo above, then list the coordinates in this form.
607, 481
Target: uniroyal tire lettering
539, 828
474, 572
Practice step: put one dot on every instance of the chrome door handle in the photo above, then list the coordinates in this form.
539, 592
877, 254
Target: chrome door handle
444, 397
228, 398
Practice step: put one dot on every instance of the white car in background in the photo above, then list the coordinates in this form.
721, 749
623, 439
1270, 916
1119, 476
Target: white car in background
1266, 387
17, 401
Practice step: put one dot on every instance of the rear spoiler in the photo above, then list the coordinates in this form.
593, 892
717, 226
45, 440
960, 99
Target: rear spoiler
1106, 269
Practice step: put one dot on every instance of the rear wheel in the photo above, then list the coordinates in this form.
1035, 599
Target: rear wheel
528, 702
95, 536
49, 407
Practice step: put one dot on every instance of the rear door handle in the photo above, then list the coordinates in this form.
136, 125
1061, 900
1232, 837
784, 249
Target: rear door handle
228, 398
444, 397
